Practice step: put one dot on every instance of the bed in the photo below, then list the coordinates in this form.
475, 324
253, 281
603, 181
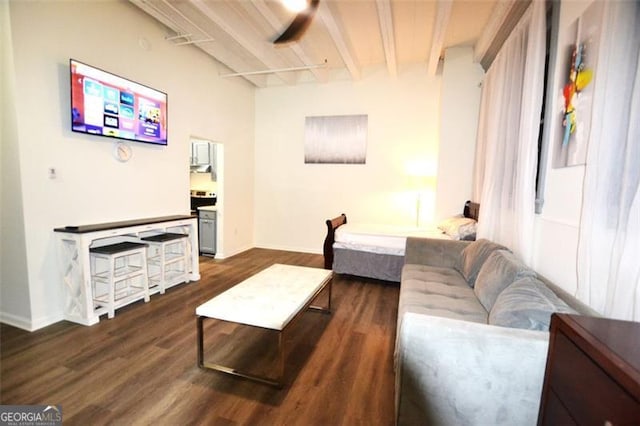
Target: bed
377, 251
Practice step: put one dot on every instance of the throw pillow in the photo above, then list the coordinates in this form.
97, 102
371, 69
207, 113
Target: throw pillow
528, 304
459, 228
500, 270
473, 257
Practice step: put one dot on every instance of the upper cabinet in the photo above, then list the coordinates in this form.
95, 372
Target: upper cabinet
200, 153
203, 157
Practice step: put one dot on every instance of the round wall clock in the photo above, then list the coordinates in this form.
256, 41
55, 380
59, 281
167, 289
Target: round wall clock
122, 152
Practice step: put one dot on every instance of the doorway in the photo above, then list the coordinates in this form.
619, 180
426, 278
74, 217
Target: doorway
206, 184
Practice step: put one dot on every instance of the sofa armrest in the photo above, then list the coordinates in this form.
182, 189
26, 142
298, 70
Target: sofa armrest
433, 251
456, 372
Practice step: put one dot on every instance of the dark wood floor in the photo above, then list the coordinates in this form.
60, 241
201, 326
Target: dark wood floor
140, 367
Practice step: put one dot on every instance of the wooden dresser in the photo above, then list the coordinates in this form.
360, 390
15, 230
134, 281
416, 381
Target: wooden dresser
593, 372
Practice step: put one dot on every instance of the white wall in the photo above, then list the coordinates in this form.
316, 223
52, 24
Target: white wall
293, 199
13, 265
461, 79
557, 227
92, 186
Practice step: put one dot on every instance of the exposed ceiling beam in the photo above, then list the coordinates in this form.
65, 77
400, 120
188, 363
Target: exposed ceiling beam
225, 58
159, 15
170, 22
187, 20
498, 15
335, 31
320, 74
504, 18
254, 47
385, 18
443, 14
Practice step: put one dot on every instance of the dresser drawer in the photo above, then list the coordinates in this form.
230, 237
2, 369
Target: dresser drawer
586, 390
556, 413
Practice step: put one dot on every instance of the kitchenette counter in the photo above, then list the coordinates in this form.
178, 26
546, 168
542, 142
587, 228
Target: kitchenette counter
75, 241
209, 208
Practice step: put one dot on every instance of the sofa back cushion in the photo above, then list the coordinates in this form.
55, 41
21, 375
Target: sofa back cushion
527, 303
500, 270
473, 257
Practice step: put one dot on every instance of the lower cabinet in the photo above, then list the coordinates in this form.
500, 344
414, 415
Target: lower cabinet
208, 231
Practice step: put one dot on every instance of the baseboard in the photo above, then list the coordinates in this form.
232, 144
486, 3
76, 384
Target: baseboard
26, 323
224, 255
16, 321
42, 322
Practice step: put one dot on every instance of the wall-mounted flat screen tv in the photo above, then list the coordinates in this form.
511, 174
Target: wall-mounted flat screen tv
108, 105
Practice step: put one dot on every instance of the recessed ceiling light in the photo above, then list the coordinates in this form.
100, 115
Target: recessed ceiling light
295, 5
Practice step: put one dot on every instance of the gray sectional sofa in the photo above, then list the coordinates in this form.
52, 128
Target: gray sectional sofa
472, 335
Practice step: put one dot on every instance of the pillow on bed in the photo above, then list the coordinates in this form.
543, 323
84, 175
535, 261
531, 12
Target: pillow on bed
459, 228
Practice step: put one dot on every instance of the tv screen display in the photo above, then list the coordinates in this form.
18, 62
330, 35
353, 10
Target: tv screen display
108, 105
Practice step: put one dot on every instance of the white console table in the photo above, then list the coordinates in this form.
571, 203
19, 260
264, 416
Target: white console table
73, 252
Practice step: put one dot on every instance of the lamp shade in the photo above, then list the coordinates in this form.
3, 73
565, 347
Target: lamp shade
421, 182
421, 175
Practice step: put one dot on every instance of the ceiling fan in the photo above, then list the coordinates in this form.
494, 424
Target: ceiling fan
299, 24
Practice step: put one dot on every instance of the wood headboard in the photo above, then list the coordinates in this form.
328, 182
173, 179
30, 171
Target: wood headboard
332, 225
471, 210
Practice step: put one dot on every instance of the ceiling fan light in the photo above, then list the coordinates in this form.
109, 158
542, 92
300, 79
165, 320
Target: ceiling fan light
295, 5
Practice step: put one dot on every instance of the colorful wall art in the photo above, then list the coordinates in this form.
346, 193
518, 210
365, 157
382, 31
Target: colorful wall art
580, 60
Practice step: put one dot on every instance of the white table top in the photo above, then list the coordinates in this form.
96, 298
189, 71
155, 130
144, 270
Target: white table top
268, 299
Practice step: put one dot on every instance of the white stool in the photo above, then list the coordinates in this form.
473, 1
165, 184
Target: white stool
168, 259
118, 275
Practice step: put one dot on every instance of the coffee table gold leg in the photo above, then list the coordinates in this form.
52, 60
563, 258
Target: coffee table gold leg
280, 378
277, 382
327, 309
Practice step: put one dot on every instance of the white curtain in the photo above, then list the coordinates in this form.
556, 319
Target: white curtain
507, 144
609, 237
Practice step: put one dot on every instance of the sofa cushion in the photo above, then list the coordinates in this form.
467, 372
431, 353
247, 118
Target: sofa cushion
527, 303
447, 276
499, 270
473, 257
441, 292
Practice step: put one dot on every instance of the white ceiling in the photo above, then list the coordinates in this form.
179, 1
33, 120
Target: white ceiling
354, 37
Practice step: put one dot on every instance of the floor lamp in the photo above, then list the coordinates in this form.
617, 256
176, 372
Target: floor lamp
419, 184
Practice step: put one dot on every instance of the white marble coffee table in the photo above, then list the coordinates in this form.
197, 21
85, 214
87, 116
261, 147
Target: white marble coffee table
270, 299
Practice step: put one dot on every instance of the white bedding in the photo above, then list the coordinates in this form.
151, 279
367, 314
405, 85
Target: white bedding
384, 239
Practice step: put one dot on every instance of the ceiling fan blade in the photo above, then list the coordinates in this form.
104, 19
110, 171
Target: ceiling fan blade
299, 24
